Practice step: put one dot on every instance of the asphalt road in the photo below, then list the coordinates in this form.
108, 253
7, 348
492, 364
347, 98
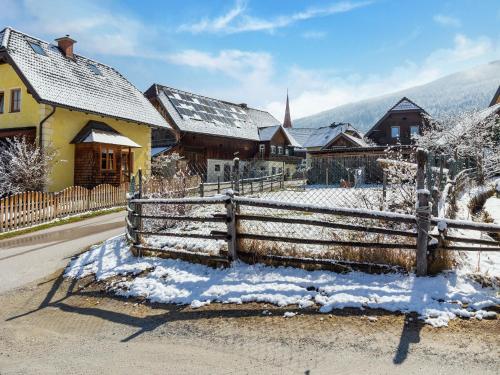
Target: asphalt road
32, 256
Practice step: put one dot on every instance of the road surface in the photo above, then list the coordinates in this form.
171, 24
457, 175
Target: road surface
32, 256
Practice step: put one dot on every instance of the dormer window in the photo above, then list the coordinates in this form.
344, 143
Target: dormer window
95, 70
37, 48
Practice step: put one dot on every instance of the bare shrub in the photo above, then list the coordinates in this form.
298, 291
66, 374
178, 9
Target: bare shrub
24, 166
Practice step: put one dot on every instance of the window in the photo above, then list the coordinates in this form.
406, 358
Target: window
107, 159
15, 100
37, 48
217, 167
414, 130
395, 131
262, 149
273, 150
2, 100
287, 151
95, 70
274, 170
280, 150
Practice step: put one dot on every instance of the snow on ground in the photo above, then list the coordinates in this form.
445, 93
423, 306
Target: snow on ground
492, 207
436, 299
484, 262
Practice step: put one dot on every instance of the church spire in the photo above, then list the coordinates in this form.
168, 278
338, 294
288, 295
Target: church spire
287, 122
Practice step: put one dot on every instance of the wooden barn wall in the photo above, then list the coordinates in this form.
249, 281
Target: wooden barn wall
382, 134
87, 171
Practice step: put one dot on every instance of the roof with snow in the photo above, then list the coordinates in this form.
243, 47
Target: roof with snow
200, 114
322, 137
99, 132
77, 83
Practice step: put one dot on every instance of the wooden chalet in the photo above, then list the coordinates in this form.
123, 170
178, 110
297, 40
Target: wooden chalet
209, 133
397, 127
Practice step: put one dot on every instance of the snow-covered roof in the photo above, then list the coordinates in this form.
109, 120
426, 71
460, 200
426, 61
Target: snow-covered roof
406, 104
267, 133
98, 136
321, 137
301, 134
99, 132
76, 83
200, 114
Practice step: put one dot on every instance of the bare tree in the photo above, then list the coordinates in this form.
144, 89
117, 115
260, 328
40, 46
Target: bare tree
24, 166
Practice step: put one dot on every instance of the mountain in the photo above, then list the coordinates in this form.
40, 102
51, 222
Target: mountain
463, 91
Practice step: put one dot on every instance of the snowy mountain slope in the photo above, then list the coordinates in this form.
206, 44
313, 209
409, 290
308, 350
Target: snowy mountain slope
466, 90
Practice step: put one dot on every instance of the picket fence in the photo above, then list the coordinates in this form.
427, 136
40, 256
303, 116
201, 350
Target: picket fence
32, 207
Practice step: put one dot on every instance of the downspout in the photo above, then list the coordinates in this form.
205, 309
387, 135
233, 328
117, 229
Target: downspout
40, 128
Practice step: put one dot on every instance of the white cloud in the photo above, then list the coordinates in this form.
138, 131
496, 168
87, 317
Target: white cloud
236, 20
97, 30
316, 91
237, 64
313, 34
446, 20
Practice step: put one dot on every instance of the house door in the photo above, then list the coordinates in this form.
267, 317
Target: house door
126, 165
227, 172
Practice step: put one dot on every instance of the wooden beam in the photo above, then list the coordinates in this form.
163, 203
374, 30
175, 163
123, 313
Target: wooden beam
312, 241
326, 224
339, 211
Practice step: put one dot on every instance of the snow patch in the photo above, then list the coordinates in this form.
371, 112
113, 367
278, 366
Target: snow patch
436, 300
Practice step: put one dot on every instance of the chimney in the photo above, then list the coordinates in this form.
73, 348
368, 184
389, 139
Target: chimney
244, 105
65, 44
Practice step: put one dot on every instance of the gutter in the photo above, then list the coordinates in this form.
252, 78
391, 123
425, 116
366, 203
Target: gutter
40, 131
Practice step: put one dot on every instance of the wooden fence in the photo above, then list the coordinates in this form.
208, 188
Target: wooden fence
32, 208
418, 239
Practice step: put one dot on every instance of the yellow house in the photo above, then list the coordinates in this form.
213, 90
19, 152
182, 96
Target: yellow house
98, 122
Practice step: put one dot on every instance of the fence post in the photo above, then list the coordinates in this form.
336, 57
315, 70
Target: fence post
202, 189
436, 195
236, 175
423, 214
441, 170
231, 227
384, 190
428, 170
218, 184
138, 210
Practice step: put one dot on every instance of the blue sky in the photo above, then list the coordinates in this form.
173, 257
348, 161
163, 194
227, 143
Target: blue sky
327, 53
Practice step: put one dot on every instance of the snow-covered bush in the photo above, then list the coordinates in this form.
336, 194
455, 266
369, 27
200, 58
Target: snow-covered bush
472, 136
24, 166
400, 173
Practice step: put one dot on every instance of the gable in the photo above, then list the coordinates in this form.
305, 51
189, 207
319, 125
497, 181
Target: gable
345, 140
404, 107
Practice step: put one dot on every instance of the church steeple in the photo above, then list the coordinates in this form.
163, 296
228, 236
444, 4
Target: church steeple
287, 122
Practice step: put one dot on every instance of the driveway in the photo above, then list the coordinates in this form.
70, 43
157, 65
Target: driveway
59, 326
32, 256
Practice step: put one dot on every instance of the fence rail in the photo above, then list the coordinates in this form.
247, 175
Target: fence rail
32, 208
234, 231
